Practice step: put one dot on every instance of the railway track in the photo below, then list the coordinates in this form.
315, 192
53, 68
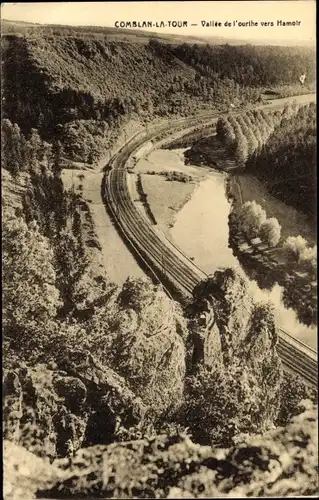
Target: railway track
168, 264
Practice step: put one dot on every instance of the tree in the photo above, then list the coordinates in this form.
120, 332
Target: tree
241, 150
76, 224
263, 127
293, 392
241, 145
56, 157
252, 143
221, 404
251, 217
11, 147
288, 110
308, 260
35, 148
71, 265
225, 131
29, 292
270, 232
294, 246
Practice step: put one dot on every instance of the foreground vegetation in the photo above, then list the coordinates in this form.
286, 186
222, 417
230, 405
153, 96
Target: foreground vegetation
118, 389
80, 351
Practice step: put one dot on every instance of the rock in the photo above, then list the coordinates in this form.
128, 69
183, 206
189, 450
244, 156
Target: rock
148, 467
70, 432
37, 406
225, 294
12, 412
239, 350
25, 473
247, 330
72, 390
106, 390
53, 413
147, 346
283, 462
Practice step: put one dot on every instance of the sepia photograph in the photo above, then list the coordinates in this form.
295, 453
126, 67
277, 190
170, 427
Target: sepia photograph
159, 249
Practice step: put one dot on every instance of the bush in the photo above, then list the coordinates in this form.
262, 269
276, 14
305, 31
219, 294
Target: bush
293, 392
221, 404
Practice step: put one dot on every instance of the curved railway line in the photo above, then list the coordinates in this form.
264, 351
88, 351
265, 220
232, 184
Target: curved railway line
167, 264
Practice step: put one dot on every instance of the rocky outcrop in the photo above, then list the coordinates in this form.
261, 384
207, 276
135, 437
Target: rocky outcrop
72, 390
25, 473
146, 344
106, 389
54, 412
225, 296
282, 462
79, 399
239, 359
12, 412
45, 423
246, 329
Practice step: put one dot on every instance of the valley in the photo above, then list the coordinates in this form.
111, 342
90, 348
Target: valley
144, 356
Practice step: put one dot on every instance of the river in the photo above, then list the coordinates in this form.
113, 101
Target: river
201, 231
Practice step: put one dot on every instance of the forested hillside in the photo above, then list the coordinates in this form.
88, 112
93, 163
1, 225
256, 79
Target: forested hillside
287, 162
279, 148
88, 363
250, 65
83, 87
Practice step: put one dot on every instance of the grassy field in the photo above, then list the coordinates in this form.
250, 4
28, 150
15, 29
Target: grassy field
164, 160
291, 220
166, 198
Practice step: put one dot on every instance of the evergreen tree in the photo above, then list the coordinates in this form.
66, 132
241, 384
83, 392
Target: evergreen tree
11, 147
35, 149
252, 143
71, 266
56, 157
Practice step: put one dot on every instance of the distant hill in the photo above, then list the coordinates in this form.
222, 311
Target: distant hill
23, 28
84, 82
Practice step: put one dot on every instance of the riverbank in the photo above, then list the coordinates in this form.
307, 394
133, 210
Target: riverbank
245, 187
201, 230
269, 266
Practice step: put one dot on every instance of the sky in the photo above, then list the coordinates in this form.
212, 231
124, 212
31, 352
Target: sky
107, 13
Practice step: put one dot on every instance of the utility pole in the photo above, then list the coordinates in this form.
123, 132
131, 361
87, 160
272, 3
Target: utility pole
163, 266
73, 196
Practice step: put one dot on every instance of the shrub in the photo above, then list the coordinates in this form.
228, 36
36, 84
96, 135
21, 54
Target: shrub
221, 404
